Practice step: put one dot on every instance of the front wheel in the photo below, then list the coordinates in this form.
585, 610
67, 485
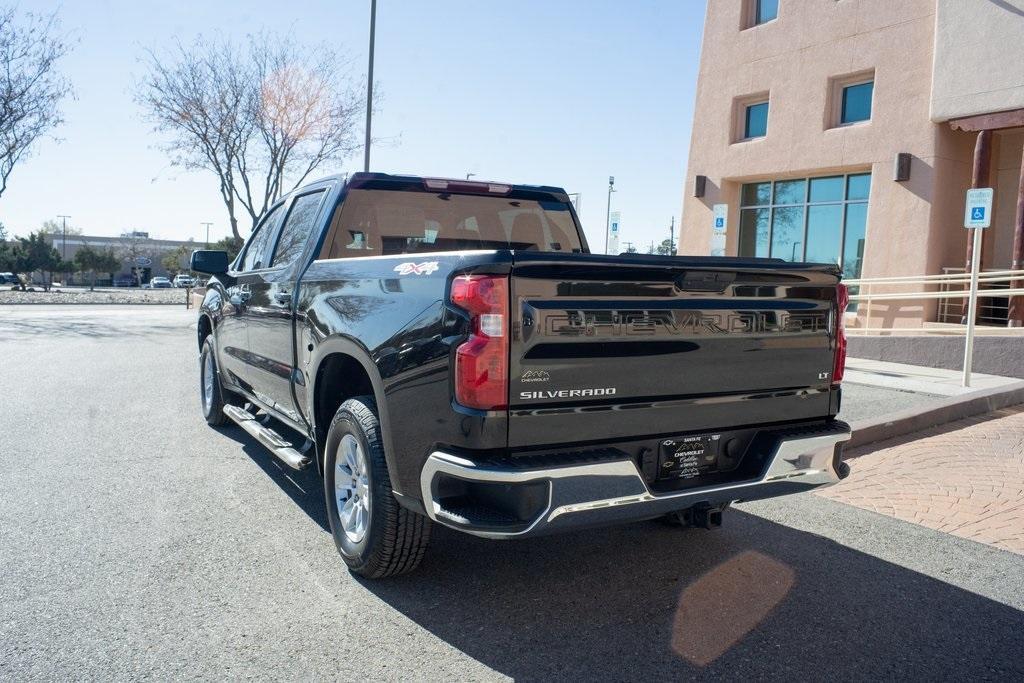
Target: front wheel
211, 393
375, 535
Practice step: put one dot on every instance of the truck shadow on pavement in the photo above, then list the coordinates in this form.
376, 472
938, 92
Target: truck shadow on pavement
754, 598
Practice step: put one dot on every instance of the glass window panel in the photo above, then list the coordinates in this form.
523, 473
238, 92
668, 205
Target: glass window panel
824, 232
297, 230
788, 233
754, 232
756, 124
757, 194
853, 247
827, 189
254, 252
858, 186
767, 10
790, 191
857, 102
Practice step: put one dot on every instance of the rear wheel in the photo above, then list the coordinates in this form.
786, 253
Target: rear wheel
375, 535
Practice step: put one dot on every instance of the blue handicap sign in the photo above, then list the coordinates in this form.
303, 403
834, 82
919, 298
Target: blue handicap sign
719, 223
977, 213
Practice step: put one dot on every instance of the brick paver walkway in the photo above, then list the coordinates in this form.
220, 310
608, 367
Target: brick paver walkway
965, 478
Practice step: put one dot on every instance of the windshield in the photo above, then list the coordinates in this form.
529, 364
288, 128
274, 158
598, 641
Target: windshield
385, 222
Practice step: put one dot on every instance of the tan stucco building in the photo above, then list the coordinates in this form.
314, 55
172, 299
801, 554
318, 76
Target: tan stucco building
805, 109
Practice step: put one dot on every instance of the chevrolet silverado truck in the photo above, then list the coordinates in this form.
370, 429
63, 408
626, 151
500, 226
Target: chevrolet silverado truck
450, 352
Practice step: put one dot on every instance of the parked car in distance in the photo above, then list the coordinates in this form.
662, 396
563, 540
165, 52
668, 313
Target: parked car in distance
160, 283
450, 352
9, 279
182, 280
124, 281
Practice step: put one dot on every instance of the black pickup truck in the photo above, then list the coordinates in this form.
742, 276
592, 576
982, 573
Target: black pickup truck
449, 351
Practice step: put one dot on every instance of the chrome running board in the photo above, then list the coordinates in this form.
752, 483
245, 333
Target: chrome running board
278, 445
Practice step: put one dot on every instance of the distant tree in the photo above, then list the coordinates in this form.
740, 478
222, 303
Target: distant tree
630, 249
30, 86
173, 261
34, 253
131, 249
232, 245
3, 233
55, 228
94, 262
666, 248
261, 116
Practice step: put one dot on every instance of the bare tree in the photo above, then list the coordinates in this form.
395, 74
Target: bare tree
261, 117
30, 86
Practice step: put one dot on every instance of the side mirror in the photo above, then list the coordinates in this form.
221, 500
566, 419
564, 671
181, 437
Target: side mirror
209, 261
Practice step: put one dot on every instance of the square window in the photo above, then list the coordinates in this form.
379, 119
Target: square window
755, 122
856, 105
765, 11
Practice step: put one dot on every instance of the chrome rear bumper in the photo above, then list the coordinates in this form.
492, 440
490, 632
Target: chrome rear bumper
613, 490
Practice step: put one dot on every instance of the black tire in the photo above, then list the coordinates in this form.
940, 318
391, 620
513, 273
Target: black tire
395, 538
212, 405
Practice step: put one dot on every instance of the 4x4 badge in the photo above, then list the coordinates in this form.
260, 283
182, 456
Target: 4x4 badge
409, 268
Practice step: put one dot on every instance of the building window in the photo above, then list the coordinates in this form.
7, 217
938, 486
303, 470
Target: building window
755, 121
821, 220
757, 12
765, 11
850, 99
856, 105
750, 117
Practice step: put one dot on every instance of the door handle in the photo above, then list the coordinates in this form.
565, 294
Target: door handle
239, 295
283, 297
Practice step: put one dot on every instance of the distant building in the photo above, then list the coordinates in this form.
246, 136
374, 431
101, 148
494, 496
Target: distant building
140, 255
847, 132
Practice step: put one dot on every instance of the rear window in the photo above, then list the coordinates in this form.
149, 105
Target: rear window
386, 222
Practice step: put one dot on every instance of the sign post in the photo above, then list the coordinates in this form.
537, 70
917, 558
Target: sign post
613, 238
719, 224
977, 216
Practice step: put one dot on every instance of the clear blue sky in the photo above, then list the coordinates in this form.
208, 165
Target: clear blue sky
532, 91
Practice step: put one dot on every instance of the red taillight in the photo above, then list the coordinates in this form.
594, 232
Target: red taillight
481, 362
842, 301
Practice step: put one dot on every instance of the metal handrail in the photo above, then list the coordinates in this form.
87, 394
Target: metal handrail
867, 290
939, 279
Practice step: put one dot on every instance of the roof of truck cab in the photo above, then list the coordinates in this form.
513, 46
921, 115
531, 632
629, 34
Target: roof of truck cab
364, 180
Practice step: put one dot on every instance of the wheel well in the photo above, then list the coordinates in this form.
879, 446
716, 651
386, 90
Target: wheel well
205, 329
339, 378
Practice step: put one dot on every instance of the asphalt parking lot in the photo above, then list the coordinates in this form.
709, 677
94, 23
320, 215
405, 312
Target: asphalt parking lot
137, 542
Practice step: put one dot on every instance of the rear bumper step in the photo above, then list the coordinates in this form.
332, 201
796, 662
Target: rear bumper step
278, 445
605, 491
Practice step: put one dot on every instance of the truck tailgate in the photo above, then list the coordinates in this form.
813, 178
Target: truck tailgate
639, 345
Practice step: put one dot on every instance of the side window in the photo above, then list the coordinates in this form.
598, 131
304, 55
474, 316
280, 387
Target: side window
297, 228
254, 251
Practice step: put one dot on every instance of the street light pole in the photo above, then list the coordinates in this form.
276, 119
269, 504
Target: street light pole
672, 237
608, 212
369, 86
64, 239
207, 233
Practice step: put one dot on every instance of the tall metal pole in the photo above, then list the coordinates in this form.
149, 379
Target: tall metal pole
64, 240
207, 233
672, 237
369, 86
972, 306
608, 212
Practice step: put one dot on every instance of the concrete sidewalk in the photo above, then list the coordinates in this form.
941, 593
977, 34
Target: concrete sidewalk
918, 379
965, 478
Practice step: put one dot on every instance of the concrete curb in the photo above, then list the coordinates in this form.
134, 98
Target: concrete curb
951, 409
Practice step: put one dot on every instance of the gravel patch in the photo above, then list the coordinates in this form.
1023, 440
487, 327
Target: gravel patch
74, 295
